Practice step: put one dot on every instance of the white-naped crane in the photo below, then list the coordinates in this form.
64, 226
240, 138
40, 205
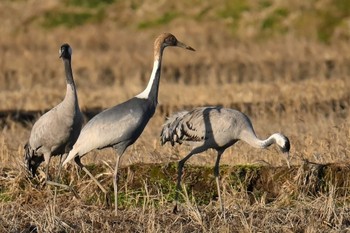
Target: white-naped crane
217, 128
120, 126
55, 132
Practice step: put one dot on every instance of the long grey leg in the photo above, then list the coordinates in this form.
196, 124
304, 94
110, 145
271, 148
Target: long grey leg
77, 161
115, 185
47, 158
62, 158
217, 174
49, 182
179, 174
63, 186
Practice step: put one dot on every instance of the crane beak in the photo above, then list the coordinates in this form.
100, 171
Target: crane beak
182, 45
286, 154
29, 169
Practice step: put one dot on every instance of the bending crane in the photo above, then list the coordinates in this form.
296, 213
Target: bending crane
217, 128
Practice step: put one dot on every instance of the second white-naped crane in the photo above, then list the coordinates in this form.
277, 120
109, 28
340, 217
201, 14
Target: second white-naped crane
217, 128
120, 126
55, 132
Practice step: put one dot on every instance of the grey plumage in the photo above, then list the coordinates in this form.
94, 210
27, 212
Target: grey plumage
217, 128
55, 132
121, 125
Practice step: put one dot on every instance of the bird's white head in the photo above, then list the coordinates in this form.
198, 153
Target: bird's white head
65, 51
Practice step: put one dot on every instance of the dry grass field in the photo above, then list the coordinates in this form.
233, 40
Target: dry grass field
286, 65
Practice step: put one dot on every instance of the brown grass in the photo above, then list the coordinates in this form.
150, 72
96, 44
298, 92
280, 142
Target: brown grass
290, 84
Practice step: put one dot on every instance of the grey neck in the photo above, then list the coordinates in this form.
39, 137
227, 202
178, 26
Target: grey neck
68, 71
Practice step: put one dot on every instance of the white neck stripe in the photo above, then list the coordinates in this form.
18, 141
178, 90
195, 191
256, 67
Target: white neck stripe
146, 92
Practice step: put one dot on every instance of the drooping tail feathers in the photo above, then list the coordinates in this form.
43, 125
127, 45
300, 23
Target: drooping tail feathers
172, 129
71, 155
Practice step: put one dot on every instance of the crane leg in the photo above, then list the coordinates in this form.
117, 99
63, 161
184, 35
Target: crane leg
62, 158
115, 185
217, 174
47, 158
49, 182
77, 161
179, 175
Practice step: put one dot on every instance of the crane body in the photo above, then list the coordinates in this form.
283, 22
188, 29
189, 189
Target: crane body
55, 132
214, 128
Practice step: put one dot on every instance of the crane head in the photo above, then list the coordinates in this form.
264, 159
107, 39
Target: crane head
65, 51
31, 161
284, 145
168, 39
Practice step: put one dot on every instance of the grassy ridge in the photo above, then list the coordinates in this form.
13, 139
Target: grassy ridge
146, 190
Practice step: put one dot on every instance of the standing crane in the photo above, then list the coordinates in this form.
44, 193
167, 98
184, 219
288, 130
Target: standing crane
55, 132
217, 128
120, 126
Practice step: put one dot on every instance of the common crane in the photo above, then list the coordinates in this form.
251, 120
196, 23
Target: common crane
217, 128
55, 132
120, 126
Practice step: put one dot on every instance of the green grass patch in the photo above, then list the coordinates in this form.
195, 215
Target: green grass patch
70, 19
327, 26
244, 173
331, 18
273, 21
89, 3
343, 7
203, 13
233, 10
264, 4
324, 20
164, 19
4, 197
76, 13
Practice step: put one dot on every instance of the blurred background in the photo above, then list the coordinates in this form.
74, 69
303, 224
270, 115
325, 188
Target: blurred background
284, 63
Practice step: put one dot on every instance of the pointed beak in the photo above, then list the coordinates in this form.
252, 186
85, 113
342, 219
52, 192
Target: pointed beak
286, 154
32, 169
182, 45
33, 172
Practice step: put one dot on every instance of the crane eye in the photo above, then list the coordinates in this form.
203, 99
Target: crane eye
171, 40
